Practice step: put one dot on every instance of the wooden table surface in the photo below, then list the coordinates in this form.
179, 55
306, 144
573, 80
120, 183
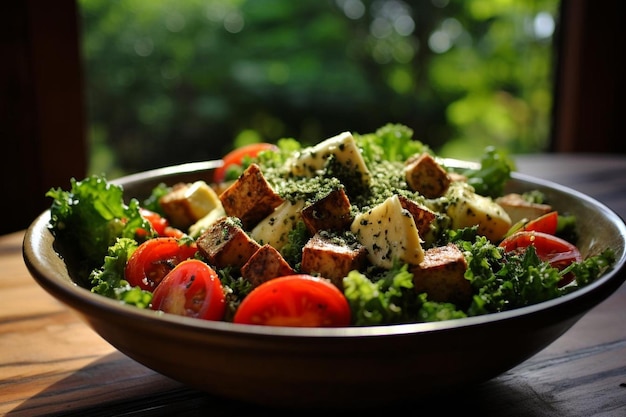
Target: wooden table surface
51, 363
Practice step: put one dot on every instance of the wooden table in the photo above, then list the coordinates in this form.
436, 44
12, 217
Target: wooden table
52, 363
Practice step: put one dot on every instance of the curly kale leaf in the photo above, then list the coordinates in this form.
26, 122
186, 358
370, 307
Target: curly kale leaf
292, 250
435, 311
504, 281
390, 299
109, 279
392, 142
92, 215
591, 268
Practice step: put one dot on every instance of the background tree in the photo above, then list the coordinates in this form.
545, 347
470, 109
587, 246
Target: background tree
171, 82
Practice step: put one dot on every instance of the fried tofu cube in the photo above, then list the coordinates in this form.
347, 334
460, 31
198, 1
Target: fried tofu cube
332, 260
519, 209
424, 175
250, 198
329, 213
225, 243
422, 216
187, 203
442, 276
265, 264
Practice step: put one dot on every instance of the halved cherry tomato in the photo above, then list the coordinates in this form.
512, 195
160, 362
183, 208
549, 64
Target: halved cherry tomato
236, 156
558, 252
154, 259
546, 223
191, 289
160, 224
295, 300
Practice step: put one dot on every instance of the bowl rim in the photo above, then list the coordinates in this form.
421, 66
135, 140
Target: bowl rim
38, 238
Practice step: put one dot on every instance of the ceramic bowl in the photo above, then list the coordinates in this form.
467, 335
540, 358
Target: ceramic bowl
338, 367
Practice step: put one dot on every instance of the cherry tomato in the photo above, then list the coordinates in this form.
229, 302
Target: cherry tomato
160, 224
154, 259
295, 300
546, 223
191, 289
236, 156
558, 252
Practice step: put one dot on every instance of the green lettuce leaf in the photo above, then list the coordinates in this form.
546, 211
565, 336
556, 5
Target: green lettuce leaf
91, 216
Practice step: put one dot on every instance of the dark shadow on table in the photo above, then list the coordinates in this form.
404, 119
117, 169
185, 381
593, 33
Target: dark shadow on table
165, 397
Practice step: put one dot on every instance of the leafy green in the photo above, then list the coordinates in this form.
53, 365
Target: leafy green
591, 268
92, 215
109, 279
494, 172
277, 158
392, 142
387, 300
235, 287
435, 311
152, 202
296, 239
505, 281
566, 227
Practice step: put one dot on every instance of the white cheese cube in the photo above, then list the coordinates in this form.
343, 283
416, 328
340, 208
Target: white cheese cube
466, 209
274, 229
310, 160
389, 232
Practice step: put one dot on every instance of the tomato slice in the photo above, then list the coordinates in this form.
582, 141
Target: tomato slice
236, 157
546, 223
558, 252
295, 300
154, 259
160, 224
191, 289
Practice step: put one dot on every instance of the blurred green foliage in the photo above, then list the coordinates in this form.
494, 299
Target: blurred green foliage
173, 81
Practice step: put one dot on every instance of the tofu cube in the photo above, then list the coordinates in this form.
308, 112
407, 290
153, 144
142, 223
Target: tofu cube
250, 198
331, 260
265, 264
424, 175
330, 213
442, 276
187, 203
519, 209
422, 216
225, 243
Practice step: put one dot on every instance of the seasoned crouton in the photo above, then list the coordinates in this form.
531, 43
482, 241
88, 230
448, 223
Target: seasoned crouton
186, 203
265, 264
519, 209
426, 176
330, 213
225, 243
332, 259
250, 198
422, 216
442, 276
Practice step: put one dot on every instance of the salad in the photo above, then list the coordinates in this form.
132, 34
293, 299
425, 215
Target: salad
357, 230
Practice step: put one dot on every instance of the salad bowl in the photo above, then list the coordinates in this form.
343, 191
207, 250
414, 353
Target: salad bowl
347, 367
